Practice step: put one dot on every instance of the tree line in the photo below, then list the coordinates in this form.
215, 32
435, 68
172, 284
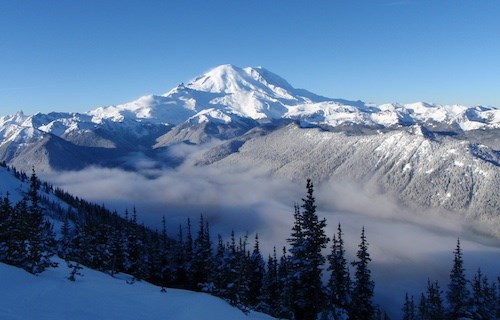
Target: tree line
285, 284
477, 298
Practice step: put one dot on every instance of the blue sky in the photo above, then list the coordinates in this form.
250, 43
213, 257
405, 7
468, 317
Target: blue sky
78, 55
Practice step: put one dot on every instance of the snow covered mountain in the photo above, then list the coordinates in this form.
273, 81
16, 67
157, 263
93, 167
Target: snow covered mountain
265, 122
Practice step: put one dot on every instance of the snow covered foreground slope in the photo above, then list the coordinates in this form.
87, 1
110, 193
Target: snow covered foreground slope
51, 296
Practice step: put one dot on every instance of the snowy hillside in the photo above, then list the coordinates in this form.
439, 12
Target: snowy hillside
446, 173
97, 295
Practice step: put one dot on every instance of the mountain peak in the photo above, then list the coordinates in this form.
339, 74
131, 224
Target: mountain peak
224, 78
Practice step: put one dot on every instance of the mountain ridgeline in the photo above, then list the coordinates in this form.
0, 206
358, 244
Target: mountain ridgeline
427, 155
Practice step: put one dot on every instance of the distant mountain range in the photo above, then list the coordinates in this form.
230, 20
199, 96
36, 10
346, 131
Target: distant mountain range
429, 155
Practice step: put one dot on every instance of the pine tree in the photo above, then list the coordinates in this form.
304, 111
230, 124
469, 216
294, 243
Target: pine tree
271, 290
5, 220
41, 240
65, 241
180, 263
285, 286
339, 284
409, 308
201, 265
307, 241
362, 293
165, 257
434, 301
422, 310
483, 299
256, 276
458, 295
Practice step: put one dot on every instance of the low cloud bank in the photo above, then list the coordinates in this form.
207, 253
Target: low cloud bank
407, 245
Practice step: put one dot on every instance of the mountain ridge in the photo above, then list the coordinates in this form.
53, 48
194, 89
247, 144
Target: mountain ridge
242, 109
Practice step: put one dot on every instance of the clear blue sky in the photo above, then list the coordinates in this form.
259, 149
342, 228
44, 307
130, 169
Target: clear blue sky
78, 55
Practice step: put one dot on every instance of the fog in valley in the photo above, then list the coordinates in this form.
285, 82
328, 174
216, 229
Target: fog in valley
407, 245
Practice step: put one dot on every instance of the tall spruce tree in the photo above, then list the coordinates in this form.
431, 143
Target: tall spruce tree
409, 308
201, 264
5, 221
458, 295
271, 290
434, 301
256, 269
483, 299
306, 243
285, 286
41, 239
362, 292
339, 283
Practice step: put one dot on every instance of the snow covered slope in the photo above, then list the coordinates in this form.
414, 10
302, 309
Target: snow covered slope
96, 295
439, 172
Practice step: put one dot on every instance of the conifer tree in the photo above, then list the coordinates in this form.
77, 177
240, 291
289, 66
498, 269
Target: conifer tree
422, 310
65, 241
458, 295
409, 308
434, 301
339, 284
201, 265
5, 220
165, 257
180, 261
307, 241
40, 237
285, 286
362, 293
483, 299
271, 291
256, 276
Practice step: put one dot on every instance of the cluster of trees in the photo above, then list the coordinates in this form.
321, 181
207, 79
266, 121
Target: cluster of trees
26, 238
289, 286
475, 299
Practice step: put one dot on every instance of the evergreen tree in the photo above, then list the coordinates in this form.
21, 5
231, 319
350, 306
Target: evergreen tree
409, 308
256, 276
201, 265
422, 311
5, 220
78, 249
65, 241
180, 263
40, 244
271, 286
307, 241
165, 257
483, 299
285, 286
339, 284
362, 293
135, 249
434, 301
230, 271
219, 278
458, 295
